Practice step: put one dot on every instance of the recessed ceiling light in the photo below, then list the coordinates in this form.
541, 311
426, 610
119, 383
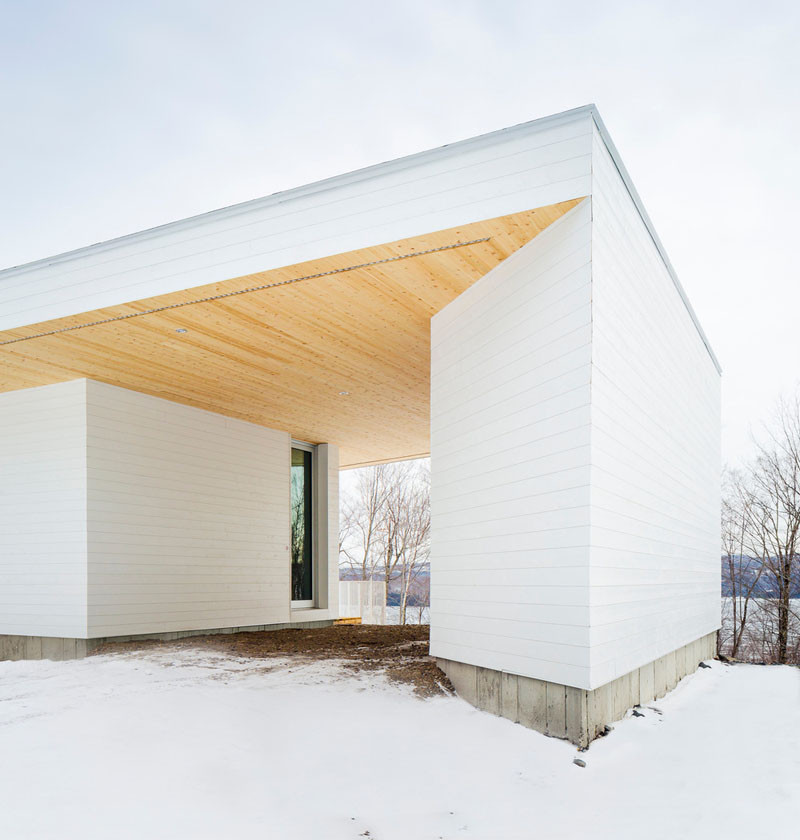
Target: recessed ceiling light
181, 331
344, 393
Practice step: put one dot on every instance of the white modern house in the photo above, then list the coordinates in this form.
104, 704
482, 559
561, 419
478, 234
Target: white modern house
175, 407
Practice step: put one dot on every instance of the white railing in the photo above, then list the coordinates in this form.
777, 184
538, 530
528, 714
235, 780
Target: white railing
364, 599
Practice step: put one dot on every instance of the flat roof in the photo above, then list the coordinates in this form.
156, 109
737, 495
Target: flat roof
61, 268
307, 310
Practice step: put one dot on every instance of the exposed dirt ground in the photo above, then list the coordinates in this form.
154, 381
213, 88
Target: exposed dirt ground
401, 652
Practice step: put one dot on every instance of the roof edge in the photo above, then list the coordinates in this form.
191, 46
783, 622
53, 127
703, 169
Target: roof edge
323, 185
626, 179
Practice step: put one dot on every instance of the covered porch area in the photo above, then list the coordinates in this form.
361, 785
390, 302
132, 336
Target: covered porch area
171, 462
176, 405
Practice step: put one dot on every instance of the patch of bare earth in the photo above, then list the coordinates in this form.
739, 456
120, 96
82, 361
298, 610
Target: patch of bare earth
401, 652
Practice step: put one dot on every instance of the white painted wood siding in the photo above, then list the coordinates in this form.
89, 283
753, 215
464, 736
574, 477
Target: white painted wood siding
516, 169
43, 511
655, 447
510, 462
188, 517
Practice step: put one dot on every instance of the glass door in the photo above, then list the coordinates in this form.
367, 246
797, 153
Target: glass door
302, 536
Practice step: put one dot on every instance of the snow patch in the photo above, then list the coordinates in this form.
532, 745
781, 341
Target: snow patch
191, 744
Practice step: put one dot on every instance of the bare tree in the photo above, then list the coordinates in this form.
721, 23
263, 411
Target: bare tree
385, 526
741, 572
420, 590
408, 510
761, 526
405, 527
776, 514
361, 521
388, 540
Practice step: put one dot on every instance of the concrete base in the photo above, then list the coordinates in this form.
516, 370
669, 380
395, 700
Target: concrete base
48, 647
563, 711
42, 647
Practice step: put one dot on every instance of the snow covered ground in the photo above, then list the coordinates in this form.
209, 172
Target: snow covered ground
192, 744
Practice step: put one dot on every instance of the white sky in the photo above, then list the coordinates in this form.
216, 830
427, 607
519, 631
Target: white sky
117, 117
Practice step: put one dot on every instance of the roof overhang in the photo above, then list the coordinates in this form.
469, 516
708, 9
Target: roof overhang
336, 349
309, 310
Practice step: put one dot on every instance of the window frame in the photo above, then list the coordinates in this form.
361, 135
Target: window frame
312, 603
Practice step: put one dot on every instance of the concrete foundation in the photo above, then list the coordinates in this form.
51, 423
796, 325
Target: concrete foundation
48, 647
576, 714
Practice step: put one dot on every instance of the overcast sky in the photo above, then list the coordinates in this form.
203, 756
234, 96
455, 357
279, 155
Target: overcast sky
119, 116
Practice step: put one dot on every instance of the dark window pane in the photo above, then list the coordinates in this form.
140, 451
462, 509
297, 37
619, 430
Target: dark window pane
302, 587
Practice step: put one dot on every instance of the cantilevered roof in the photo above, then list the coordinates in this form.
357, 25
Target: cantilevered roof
336, 349
308, 310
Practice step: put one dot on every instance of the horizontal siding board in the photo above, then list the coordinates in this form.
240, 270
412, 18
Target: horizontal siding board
529, 558
539, 359
655, 447
540, 632
43, 541
564, 305
510, 456
511, 643
460, 498
565, 451
548, 615
557, 400
538, 576
487, 513
527, 524
188, 517
544, 537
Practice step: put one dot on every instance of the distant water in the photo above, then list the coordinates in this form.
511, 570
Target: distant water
761, 632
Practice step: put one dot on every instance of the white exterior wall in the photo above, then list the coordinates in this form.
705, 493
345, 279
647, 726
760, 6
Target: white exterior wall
125, 514
508, 171
510, 462
188, 517
575, 423
43, 511
655, 447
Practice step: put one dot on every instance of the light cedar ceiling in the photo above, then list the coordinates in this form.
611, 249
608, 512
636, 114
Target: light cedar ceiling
281, 356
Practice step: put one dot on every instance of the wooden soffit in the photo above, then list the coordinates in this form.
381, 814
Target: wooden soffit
282, 355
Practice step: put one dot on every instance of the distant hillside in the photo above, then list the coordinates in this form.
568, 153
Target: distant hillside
764, 587
346, 573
